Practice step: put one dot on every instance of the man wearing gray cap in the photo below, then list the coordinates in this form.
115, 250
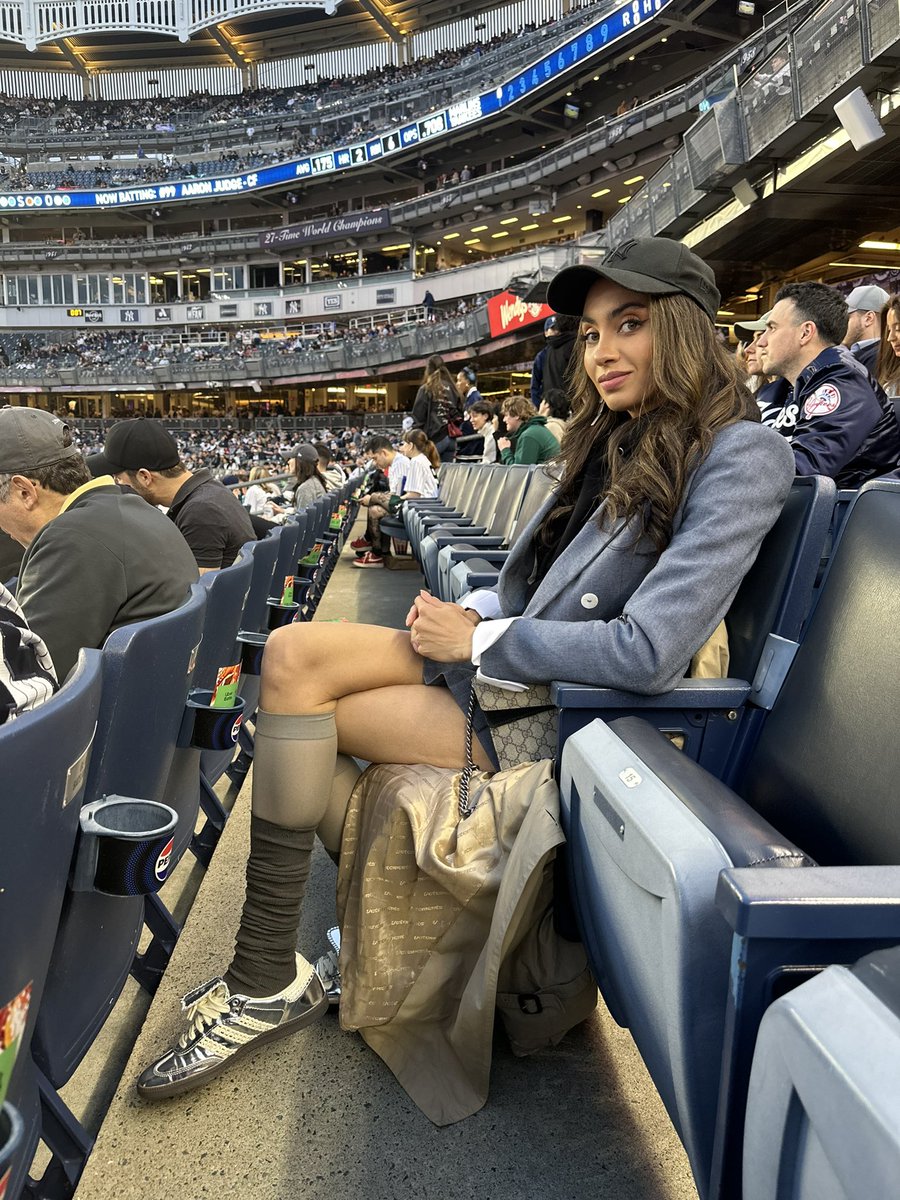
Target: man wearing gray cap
865, 304
95, 558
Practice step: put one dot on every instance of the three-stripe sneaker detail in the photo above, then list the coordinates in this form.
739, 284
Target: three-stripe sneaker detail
222, 1027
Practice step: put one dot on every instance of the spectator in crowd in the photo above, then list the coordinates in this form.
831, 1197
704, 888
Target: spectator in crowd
436, 408
95, 558
334, 474
428, 305
887, 369
27, 677
837, 418
689, 502
771, 391
534, 441
261, 498
311, 483
370, 547
559, 351
556, 408
865, 306
551, 364
421, 474
483, 415
467, 387
211, 519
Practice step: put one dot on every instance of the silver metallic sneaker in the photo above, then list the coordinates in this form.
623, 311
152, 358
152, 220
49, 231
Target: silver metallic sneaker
223, 1027
328, 967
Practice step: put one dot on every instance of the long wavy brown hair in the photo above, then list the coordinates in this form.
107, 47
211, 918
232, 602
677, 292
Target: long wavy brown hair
695, 389
437, 379
887, 368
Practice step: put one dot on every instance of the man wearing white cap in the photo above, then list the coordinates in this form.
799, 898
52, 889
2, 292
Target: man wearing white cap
866, 304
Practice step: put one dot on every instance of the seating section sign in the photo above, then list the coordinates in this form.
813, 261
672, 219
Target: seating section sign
467, 111
507, 313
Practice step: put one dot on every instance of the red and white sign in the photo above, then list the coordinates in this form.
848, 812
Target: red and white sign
823, 402
507, 313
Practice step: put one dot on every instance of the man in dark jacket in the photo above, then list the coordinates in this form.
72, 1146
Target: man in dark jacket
95, 558
838, 420
212, 520
551, 365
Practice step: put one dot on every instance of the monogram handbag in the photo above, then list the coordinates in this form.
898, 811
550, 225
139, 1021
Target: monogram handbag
523, 725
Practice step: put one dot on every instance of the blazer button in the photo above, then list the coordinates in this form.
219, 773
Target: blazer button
589, 600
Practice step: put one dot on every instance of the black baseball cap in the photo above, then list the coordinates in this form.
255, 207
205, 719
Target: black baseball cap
657, 266
137, 445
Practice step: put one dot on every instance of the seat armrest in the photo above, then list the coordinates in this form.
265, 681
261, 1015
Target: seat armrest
691, 693
487, 554
829, 903
488, 541
482, 579
446, 537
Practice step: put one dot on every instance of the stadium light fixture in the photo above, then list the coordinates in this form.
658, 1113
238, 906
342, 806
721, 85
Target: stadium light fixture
472, 242
510, 221
501, 234
528, 228
602, 192
478, 229
559, 220
870, 245
449, 236
636, 179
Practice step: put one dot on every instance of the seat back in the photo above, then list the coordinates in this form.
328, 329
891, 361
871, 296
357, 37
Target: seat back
484, 500
515, 483
776, 592
540, 485
291, 547
264, 554
823, 1111
226, 594
44, 757
836, 712
147, 669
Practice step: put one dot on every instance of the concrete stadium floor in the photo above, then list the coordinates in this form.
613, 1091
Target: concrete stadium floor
319, 1113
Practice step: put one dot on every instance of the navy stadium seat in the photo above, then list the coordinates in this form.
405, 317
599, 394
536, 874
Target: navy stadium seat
823, 1108
690, 927
43, 763
147, 671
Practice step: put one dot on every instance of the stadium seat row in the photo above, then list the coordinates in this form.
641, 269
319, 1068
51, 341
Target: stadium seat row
106, 786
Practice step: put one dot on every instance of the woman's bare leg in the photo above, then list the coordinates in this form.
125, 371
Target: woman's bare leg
325, 687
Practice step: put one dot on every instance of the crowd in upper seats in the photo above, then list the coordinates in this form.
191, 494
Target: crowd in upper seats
201, 109
35, 353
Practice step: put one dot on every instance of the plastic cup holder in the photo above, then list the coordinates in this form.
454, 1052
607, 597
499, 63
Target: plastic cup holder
212, 728
252, 647
281, 614
12, 1130
125, 847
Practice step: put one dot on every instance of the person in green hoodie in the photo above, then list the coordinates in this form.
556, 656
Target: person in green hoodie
534, 441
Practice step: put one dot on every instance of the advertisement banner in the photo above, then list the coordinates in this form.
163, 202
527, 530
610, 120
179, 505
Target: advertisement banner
507, 313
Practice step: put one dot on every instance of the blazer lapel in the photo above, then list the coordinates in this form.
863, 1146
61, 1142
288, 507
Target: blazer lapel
585, 548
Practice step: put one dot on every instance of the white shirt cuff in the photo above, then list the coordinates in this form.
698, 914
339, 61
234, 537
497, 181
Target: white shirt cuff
484, 601
483, 637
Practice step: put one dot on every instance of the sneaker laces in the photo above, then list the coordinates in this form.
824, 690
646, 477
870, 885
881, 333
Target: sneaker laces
204, 1012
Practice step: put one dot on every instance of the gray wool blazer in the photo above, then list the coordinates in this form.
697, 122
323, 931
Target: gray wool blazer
610, 611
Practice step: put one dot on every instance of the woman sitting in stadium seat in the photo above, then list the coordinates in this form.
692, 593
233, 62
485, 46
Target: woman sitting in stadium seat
668, 484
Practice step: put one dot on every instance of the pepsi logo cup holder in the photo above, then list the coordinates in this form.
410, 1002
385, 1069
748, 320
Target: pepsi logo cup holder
281, 614
125, 848
252, 647
12, 1129
210, 728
